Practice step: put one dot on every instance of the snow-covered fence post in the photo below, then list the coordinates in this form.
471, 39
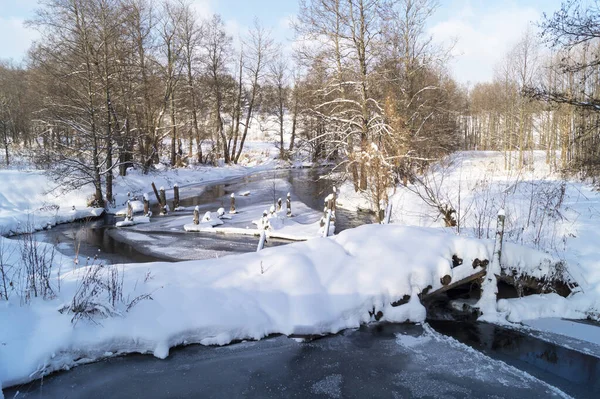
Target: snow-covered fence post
264, 221
388, 213
156, 193
288, 204
146, 205
279, 204
489, 288
232, 207
163, 201
333, 203
263, 239
129, 211
327, 223
196, 215
175, 196
272, 210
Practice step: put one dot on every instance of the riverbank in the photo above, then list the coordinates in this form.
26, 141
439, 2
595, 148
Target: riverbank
35, 201
347, 280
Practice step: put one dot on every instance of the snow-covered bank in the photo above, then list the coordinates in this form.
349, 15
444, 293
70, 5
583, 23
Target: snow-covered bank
320, 286
543, 211
32, 201
27, 203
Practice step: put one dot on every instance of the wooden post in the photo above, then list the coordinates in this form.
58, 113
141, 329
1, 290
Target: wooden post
196, 215
498, 243
175, 196
264, 221
146, 205
333, 203
232, 207
388, 213
129, 211
487, 304
156, 193
261, 242
327, 222
289, 204
279, 204
163, 201
272, 210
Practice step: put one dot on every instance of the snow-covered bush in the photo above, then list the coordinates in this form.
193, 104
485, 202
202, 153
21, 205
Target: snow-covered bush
99, 294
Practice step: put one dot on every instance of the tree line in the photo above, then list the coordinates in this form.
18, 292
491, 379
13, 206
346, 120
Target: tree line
545, 96
113, 84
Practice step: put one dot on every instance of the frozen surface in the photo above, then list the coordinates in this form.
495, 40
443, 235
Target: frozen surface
323, 285
398, 361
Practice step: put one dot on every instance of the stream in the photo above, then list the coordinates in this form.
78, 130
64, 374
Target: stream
159, 241
443, 358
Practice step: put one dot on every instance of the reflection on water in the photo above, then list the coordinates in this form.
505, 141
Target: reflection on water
573, 372
95, 238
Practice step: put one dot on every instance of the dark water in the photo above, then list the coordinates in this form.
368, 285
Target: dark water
576, 373
376, 361
363, 363
100, 237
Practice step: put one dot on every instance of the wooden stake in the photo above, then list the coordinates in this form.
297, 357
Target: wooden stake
327, 222
261, 242
232, 207
163, 201
289, 205
129, 211
196, 215
156, 193
175, 196
146, 205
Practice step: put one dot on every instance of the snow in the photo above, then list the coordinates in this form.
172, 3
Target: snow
319, 286
27, 203
542, 210
35, 201
541, 306
568, 328
133, 222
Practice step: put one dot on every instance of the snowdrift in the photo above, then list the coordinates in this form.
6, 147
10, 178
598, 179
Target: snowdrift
319, 286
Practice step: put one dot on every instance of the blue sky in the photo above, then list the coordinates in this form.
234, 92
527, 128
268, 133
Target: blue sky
483, 29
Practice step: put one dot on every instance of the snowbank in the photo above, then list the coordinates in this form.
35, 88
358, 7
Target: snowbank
315, 287
556, 216
27, 203
34, 202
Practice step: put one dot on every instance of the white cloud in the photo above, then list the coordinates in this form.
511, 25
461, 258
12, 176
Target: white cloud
202, 8
15, 38
483, 38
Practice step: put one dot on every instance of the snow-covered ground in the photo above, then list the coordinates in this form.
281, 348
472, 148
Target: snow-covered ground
319, 286
30, 200
543, 211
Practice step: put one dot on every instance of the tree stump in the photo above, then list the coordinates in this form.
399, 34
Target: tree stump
175, 196
232, 206
129, 211
196, 215
279, 204
264, 221
163, 201
146, 205
289, 205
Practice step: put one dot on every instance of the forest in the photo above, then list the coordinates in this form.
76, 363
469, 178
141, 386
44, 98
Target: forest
116, 84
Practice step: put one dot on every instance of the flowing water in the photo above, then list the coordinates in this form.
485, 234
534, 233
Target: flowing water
380, 360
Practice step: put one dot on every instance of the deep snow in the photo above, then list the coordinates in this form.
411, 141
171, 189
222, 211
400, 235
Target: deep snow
543, 211
319, 286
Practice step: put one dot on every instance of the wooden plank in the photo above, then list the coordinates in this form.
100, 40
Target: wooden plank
458, 283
